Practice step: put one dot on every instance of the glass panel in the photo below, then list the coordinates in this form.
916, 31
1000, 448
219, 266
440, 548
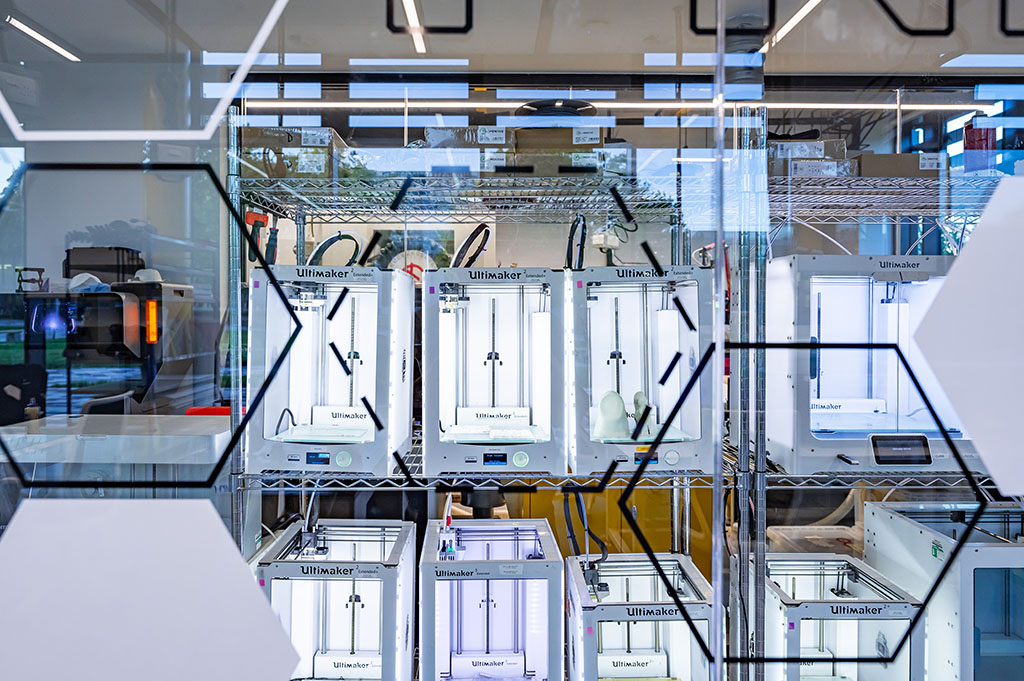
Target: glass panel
112, 310
998, 623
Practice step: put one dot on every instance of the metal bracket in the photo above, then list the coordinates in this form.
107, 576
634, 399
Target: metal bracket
465, 28
769, 27
923, 32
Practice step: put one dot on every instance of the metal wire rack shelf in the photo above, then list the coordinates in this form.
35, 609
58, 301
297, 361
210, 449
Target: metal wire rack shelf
274, 482
455, 199
860, 197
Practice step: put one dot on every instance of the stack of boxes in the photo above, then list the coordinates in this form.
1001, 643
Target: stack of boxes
309, 152
537, 152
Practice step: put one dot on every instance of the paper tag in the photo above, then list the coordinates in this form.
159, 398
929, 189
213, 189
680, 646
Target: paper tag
510, 569
586, 136
631, 665
852, 405
316, 137
492, 158
490, 134
337, 664
312, 162
800, 149
489, 666
340, 416
584, 159
813, 168
931, 161
494, 416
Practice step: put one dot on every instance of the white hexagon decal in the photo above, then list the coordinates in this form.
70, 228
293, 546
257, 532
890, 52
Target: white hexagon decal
184, 135
974, 331
129, 589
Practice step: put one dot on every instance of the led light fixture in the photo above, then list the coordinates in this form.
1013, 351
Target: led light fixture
41, 39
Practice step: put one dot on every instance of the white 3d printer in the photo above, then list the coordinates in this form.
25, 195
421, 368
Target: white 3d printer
491, 601
855, 410
344, 591
824, 608
624, 625
493, 356
633, 349
974, 623
350, 366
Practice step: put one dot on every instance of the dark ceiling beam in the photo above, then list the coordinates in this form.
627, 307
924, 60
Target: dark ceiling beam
161, 20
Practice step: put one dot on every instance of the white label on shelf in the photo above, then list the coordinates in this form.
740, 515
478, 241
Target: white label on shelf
932, 161
510, 569
316, 137
313, 162
490, 134
584, 159
813, 168
586, 135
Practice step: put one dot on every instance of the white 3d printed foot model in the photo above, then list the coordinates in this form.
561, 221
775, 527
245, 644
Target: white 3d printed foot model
611, 419
639, 405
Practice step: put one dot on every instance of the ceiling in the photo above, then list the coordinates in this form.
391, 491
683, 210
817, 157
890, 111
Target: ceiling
578, 36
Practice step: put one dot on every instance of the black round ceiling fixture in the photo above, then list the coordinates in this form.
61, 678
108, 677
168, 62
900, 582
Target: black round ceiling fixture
557, 107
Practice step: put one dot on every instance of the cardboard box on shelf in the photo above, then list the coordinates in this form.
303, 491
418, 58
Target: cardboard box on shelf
495, 144
314, 152
478, 136
581, 138
551, 152
904, 165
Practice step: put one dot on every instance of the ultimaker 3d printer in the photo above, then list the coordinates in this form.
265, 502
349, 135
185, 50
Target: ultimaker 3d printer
633, 348
350, 364
344, 591
855, 410
825, 608
493, 388
624, 625
974, 623
491, 603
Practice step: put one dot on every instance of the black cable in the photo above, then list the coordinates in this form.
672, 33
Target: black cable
318, 255
463, 249
579, 224
568, 526
600, 544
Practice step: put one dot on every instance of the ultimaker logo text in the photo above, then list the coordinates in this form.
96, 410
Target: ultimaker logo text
311, 272
452, 573
897, 265
855, 610
631, 273
479, 274
317, 570
652, 612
